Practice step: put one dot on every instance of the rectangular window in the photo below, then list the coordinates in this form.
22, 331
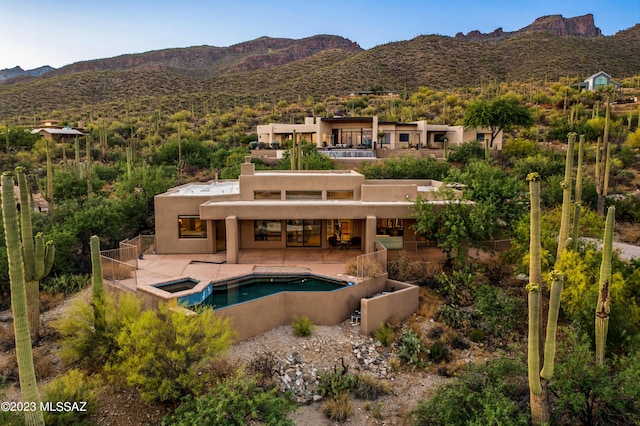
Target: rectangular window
339, 195
267, 230
266, 195
304, 195
480, 137
404, 137
192, 227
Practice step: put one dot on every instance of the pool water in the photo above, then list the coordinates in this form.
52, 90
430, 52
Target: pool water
243, 289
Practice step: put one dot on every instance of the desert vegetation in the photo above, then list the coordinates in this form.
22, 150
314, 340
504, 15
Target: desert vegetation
103, 184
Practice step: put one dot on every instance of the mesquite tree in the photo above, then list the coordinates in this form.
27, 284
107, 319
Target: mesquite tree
38, 257
24, 352
604, 301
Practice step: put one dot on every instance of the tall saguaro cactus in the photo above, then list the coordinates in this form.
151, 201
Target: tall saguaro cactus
604, 302
566, 198
24, 352
537, 393
38, 257
575, 233
99, 320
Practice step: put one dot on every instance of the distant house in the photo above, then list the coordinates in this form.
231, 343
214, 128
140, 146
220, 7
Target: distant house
600, 79
370, 133
52, 130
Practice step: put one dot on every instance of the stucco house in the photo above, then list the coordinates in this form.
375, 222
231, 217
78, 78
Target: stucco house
289, 209
371, 133
54, 131
599, 79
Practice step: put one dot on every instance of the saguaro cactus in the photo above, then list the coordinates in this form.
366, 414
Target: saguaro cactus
575, 233
293, 152
604, 303
99, 321
566, 198
24, 353
537, 393
38, 257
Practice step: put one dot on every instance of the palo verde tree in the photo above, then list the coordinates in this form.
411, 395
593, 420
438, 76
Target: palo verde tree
501, 114
24, 351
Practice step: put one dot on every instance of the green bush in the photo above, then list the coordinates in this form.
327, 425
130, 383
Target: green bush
236, 401
385, 335
333, 383
72, 387
80, 343
164, 353
519, 148
500, 313
302, 326
476, 335
65, 284
489, 394
455, 317
455, 287
410, 349
466, 152
595, 394
439, 352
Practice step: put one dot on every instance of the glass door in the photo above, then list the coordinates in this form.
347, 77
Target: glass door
221, 235
304, 233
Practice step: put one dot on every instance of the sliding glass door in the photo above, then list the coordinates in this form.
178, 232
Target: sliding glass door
304, 233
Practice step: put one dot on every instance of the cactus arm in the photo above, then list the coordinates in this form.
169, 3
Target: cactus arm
39, 258
25, 225
98, 286
552, 325
566, 197
604, 302
50, 253
24, 352
578, 195
576, 226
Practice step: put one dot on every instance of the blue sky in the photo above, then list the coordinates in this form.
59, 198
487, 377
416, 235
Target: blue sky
35, 33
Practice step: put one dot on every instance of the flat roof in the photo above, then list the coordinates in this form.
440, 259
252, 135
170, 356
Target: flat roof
209, 188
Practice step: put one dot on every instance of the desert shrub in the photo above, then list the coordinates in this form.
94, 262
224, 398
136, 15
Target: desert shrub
439, 352
73, 386
455, 286
406, 168
404, 269
595, 394
385, 335
370, 268
164, 353
500, 313
263, 364
410, 349
545, 165
370, 388
302, 326
455, 317
493, 393
338, 409
333, 383
519, 148
476, 335
237, 400
81, 344
466, 152
65, 283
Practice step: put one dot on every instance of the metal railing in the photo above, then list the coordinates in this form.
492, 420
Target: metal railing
120, 265
372, 264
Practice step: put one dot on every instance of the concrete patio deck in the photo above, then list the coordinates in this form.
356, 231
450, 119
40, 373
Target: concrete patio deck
155, 269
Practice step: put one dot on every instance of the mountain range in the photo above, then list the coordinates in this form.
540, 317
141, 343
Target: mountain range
272, 69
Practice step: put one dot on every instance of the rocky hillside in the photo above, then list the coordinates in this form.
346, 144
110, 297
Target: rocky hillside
270, 70
17, 72
579, 26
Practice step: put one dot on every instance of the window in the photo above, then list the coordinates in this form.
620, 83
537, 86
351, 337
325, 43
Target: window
304, 195
339, 195
191, 227
267, 230
480, 137
404, 137
266, 195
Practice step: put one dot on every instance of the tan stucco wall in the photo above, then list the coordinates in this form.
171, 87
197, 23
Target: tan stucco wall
399, 304
167, 210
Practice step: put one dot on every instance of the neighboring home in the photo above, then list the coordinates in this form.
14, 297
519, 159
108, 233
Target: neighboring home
370, 133
52, 130
600, 79
289, 209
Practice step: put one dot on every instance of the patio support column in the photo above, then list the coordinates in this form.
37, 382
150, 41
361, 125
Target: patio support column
370, 234
233, 252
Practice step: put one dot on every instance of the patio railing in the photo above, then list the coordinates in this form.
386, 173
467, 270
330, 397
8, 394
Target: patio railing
120, 265
372, 263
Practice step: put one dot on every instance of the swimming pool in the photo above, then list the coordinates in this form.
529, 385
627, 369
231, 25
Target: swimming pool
249, 287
